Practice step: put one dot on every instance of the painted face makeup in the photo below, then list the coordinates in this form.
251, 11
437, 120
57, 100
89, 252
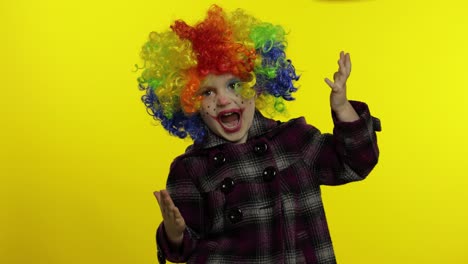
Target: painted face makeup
223, 110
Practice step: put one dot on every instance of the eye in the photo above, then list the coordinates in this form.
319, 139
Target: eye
207, 93
234, 85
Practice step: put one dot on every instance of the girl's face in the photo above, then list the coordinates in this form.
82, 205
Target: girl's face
223, 110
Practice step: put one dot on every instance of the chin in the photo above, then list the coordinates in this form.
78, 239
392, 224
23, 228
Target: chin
239, 137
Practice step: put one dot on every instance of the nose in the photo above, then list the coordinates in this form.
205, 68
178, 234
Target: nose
222, 99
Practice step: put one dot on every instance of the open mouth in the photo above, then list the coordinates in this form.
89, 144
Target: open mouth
230, 120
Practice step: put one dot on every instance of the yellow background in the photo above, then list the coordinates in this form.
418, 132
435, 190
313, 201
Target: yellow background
80, 158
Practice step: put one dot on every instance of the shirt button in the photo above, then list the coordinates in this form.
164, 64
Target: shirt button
227, 185
219, 159
235, 215
260, 148
269, 174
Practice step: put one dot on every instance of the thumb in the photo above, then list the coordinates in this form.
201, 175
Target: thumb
330, 83
157, 194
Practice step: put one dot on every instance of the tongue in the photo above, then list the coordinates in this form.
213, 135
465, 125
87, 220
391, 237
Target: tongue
231, 120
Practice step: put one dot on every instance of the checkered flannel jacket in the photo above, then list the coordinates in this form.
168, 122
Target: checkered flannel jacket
260, 202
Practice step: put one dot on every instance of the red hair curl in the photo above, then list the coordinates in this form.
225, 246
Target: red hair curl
217, 53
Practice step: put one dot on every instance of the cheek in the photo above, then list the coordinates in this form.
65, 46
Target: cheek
206, 115
208, 108
249, 105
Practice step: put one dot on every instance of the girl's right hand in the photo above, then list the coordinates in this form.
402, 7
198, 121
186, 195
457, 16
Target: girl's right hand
174, 223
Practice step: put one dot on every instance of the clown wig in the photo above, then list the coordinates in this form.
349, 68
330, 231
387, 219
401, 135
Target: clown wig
177, 61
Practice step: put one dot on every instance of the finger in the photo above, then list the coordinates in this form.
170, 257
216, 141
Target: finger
179, 219
166, 213
177, 214
160, 203
158, 196
167, 198
168, 204
164, 204
348, 62
336, 76
345, 65
330, 83
170, 215
341, 63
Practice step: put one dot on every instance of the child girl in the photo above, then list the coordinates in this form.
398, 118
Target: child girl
248, 189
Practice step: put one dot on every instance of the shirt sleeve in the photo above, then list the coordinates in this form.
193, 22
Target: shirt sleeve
351, 152
188, 200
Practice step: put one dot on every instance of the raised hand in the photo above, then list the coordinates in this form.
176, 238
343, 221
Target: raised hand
338, 99
174, 223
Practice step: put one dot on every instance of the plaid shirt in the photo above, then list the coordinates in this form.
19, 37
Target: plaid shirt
260, 202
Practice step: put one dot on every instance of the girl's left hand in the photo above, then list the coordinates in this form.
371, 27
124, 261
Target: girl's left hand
338, 98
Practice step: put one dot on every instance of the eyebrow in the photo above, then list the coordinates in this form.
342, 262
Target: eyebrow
233, 79
203, 89
228, 82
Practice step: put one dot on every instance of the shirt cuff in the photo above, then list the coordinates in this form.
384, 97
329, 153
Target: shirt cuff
365, 119
169, 251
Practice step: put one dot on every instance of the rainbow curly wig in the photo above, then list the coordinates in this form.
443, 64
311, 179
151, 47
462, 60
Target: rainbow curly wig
177, 61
